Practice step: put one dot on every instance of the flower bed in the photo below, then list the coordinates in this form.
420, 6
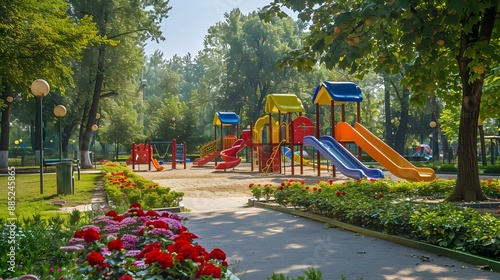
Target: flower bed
125, 187
392, 208
140, 244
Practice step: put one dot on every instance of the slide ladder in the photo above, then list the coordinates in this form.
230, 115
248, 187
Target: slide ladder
270, 160
208, 152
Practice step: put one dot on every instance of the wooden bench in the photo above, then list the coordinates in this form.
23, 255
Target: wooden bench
55, 161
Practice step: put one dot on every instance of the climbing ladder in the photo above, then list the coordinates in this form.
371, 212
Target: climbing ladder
270, 160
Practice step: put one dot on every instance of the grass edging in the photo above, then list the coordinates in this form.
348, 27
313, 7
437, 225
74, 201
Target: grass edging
453, 254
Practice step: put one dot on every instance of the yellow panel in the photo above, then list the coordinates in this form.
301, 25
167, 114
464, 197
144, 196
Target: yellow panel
284, 103
324, 98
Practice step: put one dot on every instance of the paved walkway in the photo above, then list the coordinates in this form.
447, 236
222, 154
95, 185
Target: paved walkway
259, 242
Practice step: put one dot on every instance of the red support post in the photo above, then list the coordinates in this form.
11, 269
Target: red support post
132, 154
174, 153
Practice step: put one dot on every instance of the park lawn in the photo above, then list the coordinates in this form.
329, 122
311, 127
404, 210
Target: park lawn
29, 201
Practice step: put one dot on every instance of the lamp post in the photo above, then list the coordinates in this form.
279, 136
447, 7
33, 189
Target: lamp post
60, 112
434, 141
94, 129
40, 88
482, 143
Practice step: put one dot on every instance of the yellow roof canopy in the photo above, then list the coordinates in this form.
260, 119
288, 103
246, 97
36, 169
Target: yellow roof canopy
284, 103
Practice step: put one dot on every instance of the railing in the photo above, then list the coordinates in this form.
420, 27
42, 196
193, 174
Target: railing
209, 148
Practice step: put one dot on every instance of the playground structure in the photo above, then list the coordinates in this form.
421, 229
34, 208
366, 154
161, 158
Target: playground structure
332, 93
212, 150
274, 138
268, 134
284, 128
143, 154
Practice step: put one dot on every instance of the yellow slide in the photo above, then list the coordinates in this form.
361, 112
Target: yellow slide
382, 153
296, 158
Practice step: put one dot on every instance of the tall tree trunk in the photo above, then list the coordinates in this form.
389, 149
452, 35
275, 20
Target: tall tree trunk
4, 136
468, 187
91, 118
387, 105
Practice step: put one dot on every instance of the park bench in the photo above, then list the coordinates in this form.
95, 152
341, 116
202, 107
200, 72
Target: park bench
55, 161
416, 158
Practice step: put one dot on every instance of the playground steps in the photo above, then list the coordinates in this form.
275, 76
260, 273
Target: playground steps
204, 160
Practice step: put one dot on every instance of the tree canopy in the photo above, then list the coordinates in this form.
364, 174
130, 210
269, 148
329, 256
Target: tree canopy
446, 47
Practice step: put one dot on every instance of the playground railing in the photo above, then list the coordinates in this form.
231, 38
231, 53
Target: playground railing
229, 141
209, 148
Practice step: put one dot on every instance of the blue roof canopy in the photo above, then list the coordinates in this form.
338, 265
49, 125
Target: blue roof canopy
226, 118
339, 92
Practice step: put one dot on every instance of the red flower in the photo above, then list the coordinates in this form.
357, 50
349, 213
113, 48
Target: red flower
217, 254
211, 270
165, 260
91, 235
148, 248
111, 213
152, 213
115, 245
172, 248
78, 234
95, 258
187, 252
118, 218
157, 224
380, 195
135, 205
188, 236
126, 277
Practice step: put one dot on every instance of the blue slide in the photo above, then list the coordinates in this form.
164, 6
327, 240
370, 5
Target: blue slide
346, 162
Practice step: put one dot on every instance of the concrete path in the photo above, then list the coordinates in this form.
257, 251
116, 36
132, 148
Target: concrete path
259, 242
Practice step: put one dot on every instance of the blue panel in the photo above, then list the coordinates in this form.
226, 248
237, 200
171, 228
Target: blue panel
341, 91
347, 164
228, 118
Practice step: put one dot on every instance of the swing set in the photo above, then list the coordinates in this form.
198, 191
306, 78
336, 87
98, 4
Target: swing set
143, 153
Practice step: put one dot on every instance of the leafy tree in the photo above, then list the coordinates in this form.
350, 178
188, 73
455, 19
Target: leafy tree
37, 39
428, 36
117, 20
120, 125
246, 51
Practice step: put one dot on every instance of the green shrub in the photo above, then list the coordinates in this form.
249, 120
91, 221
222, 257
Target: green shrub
448, 168
388, 206
125, 187
495, 169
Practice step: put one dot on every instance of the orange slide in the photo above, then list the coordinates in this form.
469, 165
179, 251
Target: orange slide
142, 152
382, 153
157, 165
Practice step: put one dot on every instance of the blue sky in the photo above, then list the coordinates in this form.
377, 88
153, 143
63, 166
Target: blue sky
189, 20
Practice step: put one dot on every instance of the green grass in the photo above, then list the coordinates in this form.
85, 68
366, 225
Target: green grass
29, 201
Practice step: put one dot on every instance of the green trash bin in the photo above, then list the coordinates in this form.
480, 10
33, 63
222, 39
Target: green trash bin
64, 171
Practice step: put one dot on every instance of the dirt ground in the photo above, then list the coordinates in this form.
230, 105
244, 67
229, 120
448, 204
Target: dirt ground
207, 182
